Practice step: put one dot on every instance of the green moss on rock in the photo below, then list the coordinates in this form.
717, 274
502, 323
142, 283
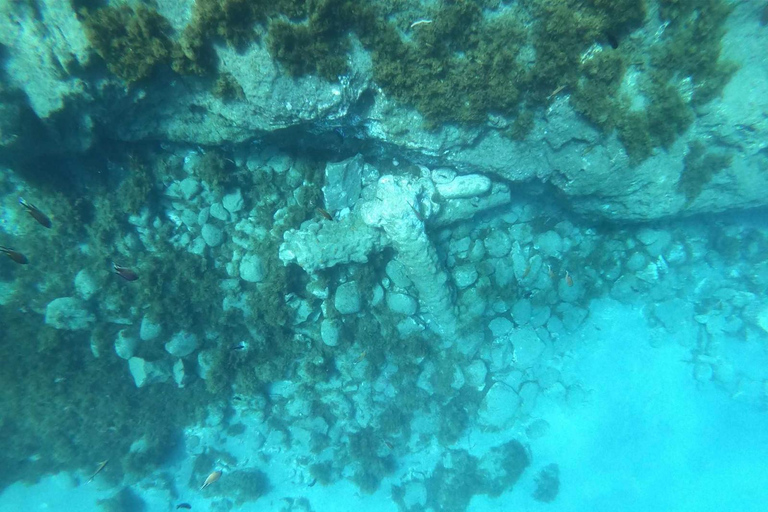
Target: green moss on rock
132, 41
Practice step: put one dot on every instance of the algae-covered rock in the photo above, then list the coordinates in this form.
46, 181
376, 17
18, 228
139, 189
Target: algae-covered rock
69, 313
148, 372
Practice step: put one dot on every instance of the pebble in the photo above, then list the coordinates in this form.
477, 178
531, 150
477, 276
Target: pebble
149, 330
233, 202
251, 268
347, 298
189, 188
212, 235
182, 344
465, 276
497, 244
401, 303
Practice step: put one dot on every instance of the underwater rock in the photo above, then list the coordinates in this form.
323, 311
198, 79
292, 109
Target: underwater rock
213, 235
465, 276
182, 344
146, 372
397, 273
497, 243
149, 330
500, 326
528, 347
252, 268
68, 313
547, 483
466, 186
189, 188
343, 183
401, 303
475, 374
414, 495
125, 344
347, 298
85, 284
499, 407
180, 375
550, 244
394, 212
233, 202
329, 332
317, 245
217, 211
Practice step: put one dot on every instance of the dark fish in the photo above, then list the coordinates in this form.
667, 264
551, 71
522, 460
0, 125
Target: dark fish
14, 255
417, 212
612, 39
324, 213
312, 483
239, 346
125, 272
183, 505
102, 465
35, 212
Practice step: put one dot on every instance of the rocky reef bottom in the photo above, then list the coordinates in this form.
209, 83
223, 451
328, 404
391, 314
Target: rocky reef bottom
254, 329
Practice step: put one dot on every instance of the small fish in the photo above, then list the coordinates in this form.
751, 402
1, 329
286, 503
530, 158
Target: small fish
568, 278
417, 212
361, 356
551, 272
420, 22
14, 255
312, 483
125, 272
557, 91
98, 470
36, 214
211, 479
324, 213
527, 271
183, 505
239, 346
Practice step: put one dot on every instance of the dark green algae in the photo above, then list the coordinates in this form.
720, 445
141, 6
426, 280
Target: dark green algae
473, 59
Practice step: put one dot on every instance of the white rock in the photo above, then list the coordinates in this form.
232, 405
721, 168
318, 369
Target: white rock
397, 273
500, 326
149, 330
499, 407
528, 347
465, 276
329, 332
180, 376
146, 372
475, 374
68, 313
469, 185
125, 344
182, 344
189, 188
550, 244
251, 268
218, 211
233, 202
497, 244
213, 235
347, 298
401, 303
343, 183
85, 284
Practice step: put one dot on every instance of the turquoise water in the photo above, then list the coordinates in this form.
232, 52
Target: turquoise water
393, 256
